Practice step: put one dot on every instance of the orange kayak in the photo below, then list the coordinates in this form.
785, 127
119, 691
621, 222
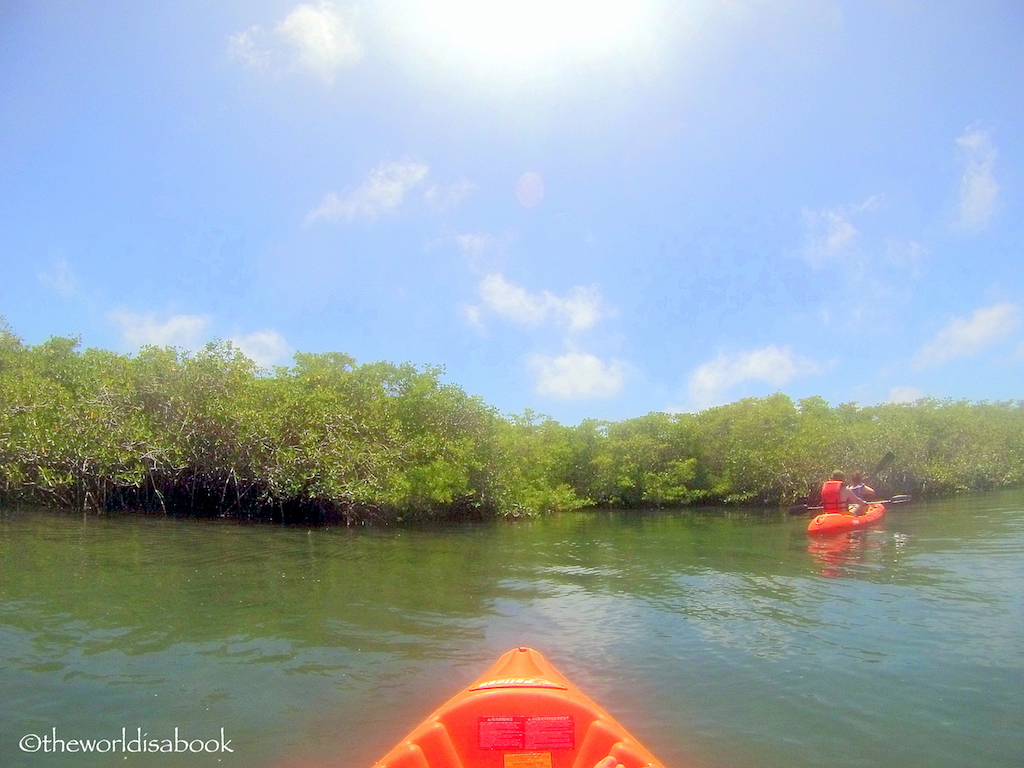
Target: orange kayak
836, 522
521, 713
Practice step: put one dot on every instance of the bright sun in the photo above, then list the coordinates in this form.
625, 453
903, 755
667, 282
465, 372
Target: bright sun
517, 36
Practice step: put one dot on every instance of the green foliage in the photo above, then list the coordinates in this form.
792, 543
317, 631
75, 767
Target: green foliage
643, 462
329, 439
530, 461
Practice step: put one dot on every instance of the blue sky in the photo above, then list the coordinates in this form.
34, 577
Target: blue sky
584, 208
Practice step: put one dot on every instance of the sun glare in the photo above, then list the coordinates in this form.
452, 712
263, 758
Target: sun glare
520, 35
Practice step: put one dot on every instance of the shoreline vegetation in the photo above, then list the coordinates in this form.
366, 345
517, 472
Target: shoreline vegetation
328, 441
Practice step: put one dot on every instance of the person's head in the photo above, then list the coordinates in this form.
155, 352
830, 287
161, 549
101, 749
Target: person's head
856, 477
838, 475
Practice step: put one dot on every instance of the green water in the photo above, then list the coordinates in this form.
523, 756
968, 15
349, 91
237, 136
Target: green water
719, 639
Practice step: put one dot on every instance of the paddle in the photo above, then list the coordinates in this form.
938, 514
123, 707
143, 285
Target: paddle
888, 459
902, 498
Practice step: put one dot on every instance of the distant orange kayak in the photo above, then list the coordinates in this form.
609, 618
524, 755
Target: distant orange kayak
521, 713
836, 522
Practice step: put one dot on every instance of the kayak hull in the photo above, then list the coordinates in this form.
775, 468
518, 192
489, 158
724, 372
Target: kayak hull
521, 713
837, 522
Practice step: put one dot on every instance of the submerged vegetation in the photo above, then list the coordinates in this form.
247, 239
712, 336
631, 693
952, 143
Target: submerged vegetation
330, 440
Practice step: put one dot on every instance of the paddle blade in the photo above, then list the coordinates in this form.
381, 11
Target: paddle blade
888, 459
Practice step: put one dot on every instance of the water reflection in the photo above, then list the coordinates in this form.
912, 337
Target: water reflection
713, 634
837, 553
858, 553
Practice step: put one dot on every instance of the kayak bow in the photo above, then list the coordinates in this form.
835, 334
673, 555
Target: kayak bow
521, 713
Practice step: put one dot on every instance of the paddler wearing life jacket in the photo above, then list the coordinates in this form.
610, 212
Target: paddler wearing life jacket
837, 496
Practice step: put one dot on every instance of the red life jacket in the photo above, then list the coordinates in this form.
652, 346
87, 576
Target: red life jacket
831, 497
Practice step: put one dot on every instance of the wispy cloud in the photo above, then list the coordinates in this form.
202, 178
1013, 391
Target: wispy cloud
904, 394
906, 253
265, 348
60, 278
140, 330
474, 317
474, 244
247, 47
485, 253
965, 337
579, 310
710, 383
446, 197
577, 376
830, 233
383, 191
316, 39
978, 187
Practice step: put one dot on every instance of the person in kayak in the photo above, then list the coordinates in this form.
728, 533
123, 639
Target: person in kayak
859, 487
837, 496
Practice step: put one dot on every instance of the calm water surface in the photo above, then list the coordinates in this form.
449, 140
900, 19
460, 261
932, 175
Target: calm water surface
719, 639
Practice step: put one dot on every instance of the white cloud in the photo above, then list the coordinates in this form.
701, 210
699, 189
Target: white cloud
709, 384
315, 39
966, 337
830, 233
579, 310
382, 192
513, 302
265, 348
576, 375
978, 187
61, 278
190, 332
445, 198
322, 39
904, 394
185, 331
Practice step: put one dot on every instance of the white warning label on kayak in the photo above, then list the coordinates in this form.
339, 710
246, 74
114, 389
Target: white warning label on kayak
554, 732
541, 732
